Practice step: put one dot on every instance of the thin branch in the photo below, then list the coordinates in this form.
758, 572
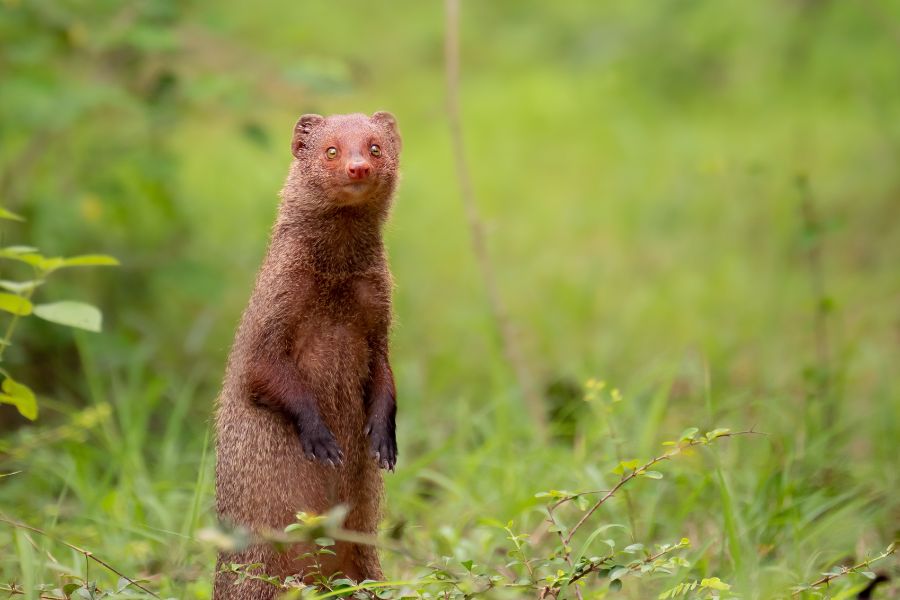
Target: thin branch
15, 590
88, 555
566, 554
643, 469
505, 328
634, 567
571, 497
827, 579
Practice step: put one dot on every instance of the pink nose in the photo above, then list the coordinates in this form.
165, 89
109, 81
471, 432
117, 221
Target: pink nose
358, 170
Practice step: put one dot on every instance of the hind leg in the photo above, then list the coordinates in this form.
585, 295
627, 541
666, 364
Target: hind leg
367, 562
226, 586
360, 561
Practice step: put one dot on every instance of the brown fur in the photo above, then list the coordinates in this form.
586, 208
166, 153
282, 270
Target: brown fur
306, 413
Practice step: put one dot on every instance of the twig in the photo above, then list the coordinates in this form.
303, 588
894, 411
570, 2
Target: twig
647, 560
505, 327
565, 499
643, 469
15, 590
827, 579
88, 555
566, 554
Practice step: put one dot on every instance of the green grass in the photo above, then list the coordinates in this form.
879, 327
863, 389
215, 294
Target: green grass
636, 170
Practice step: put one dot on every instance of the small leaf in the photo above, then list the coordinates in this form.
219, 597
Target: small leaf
715, 433
71, 314
615, 585
467, 564
626, 465
20, 396
50, 264
653, 474
15, 253
688, 434
714, 583
19, 287
633, 548
90, 260
618, 573
14, 304
9, 215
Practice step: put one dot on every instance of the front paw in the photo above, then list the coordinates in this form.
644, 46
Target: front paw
318, 443
383, 444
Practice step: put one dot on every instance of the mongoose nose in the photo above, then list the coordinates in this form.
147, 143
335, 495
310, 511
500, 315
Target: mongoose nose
358, 170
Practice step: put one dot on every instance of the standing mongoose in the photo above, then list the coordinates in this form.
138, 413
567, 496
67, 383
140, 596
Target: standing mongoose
306, 414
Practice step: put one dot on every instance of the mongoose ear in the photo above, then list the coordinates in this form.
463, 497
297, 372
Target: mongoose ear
304, 125
390, 123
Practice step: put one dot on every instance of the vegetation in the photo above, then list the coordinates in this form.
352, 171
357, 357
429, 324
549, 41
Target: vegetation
688, 211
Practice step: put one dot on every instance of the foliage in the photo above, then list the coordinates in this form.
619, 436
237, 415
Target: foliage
17, 302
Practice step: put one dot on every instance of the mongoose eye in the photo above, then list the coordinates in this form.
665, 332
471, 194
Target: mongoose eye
375, 150
331, 153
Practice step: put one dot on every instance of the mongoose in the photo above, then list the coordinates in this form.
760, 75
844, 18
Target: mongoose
306, 414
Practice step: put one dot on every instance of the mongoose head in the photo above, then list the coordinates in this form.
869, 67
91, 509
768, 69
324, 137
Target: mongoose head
350, 159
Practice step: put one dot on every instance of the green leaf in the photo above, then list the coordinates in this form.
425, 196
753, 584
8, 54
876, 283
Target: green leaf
71, 314
618, 573
70, 587
9, 215
50, 264
633, 548
626, 465
653, 474
615, 585
467, 564
688, 434
83, 593
23, 254
714, 583
715, 433
19, 287
14, 304
90, 260
20, 396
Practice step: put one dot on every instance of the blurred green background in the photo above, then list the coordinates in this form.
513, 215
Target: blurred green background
656, 180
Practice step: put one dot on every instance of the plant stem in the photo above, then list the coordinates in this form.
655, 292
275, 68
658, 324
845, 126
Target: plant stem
511, 349
88, 555
11, 328
847, 570
642, 469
